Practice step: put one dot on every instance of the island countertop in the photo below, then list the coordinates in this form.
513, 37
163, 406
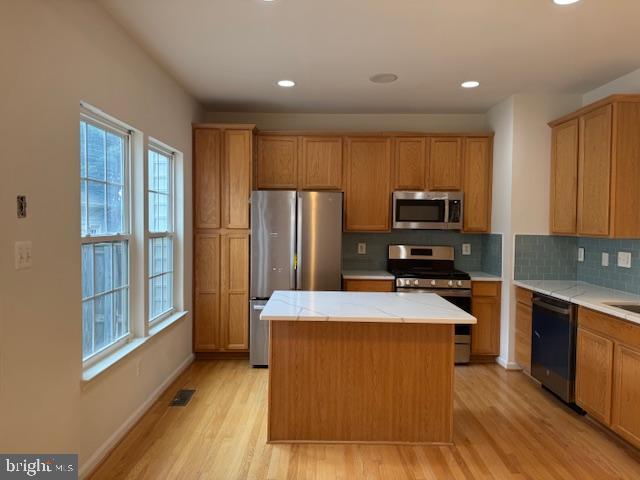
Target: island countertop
385, 307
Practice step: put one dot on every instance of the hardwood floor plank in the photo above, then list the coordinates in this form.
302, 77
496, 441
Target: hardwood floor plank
506, 428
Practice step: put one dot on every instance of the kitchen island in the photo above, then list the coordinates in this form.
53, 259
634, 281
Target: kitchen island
359, 367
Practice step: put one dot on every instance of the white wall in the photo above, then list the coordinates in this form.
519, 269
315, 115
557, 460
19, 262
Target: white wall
55, 54
629, 83
357, 122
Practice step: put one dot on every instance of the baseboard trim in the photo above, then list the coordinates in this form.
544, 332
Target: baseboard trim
507, 365
229, 355
101, 453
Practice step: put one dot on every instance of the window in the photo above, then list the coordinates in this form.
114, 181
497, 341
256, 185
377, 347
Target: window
105, 235
160, 231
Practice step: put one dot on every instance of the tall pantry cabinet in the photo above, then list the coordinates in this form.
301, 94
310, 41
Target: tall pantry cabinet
222, 177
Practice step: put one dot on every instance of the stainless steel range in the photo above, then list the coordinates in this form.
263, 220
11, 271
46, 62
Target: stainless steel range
430, 269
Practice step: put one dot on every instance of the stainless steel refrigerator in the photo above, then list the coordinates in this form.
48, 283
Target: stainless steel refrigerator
296, 244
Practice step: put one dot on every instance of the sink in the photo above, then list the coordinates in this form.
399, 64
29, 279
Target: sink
629, 307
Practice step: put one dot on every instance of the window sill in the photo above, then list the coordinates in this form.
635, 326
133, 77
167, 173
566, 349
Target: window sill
91, 373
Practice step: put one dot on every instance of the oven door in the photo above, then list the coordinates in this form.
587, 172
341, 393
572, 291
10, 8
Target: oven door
420, 210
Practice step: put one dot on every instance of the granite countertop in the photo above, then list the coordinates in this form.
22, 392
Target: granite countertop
392, 307
586, 295
367, 275
478, 276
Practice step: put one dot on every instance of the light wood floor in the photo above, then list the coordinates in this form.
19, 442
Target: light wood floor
505, 428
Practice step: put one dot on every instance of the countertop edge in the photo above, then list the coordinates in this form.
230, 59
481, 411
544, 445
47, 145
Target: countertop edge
431, 321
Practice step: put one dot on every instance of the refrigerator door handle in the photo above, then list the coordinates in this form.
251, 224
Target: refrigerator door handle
297, 250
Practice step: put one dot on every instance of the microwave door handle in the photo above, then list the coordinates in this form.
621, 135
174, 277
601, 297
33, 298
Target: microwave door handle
446, 212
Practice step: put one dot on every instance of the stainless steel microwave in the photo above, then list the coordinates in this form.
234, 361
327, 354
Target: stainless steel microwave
427, 210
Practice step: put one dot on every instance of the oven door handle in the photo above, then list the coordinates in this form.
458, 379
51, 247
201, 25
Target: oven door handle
443, 292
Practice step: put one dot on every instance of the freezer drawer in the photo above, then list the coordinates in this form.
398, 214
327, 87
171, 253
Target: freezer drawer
258, 335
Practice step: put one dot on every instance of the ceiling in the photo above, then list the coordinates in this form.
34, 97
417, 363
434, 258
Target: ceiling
230, 53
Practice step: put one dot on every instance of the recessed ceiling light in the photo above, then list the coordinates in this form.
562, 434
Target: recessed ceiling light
286, 83
384, 78
470, 84
565, 2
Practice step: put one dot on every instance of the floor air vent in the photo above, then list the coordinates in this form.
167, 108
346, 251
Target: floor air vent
181, 398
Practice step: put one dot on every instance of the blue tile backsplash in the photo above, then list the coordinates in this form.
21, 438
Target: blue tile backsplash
541, 257
486, 250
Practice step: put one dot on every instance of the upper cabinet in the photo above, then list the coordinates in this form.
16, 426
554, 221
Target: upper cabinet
595, 170
277, 162
368, 183
445, 163
564, 177
320, 163
478, 174
410, 163
222, 176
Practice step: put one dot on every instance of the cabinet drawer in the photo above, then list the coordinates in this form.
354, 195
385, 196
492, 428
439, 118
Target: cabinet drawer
485, 289
368, 285
523, 295
613, 327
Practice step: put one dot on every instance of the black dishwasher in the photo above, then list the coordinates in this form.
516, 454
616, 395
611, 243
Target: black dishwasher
553, 345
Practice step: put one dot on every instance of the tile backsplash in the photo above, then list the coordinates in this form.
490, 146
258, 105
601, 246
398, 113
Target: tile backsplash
486, 250
541, 257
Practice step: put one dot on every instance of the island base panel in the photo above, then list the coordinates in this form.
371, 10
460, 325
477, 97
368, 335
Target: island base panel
360, 382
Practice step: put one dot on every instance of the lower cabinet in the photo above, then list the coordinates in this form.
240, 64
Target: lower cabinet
221, 300
608, 372
485, 306
523, 328
356, 285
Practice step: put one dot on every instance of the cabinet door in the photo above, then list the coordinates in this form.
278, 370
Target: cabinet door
626, 394
237, 177
234, 303
523, 335
445, 163
320, 163
206, 261
485, 335
594, 172
368, 187
564, 177
277, 162
478, 175
206, 173
410, 163
594, 371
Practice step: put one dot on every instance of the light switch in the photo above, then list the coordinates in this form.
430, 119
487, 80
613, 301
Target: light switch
624, 259
581, 254
362, 248
605, 259
466, 249
22, 255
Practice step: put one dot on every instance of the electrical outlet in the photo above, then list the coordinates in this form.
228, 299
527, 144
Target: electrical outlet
22, 255
466, 249
605, 259
581, 254
624, 259
362, 248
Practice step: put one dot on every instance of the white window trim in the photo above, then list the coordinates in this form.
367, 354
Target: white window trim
102, 121
159, 147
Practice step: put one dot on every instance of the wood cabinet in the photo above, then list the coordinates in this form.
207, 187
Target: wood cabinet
606, 173
564, 177
222, 178
594, 374
594, 172
368, 183
523, 328
410, 163
357, 285
478, 175
608, 372
277, 162
485, 306
320, 163
445, 163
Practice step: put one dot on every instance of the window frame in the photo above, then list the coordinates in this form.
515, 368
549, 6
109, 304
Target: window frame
162, 149
104, 123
